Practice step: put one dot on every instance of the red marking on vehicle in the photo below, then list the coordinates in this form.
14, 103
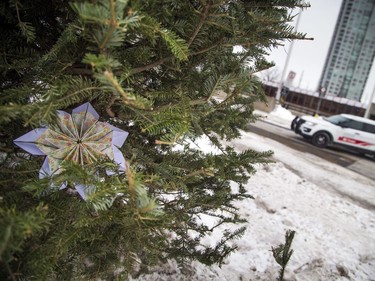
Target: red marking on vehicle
354, 141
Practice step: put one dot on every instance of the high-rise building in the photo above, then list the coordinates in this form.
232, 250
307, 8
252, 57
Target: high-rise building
352, 50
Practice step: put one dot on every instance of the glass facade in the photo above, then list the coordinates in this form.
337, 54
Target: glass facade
352, 50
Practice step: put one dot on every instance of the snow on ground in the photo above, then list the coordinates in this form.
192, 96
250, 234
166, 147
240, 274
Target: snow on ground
279, 116
330, 207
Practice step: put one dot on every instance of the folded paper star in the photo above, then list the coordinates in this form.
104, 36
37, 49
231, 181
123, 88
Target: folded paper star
78, 137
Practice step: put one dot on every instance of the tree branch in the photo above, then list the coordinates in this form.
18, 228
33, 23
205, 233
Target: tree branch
200, 24
108, 108
192, 37
149, 66
113, 24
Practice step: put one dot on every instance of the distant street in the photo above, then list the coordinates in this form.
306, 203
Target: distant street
350, 160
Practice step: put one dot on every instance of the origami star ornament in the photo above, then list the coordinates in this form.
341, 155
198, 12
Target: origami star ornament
77, 137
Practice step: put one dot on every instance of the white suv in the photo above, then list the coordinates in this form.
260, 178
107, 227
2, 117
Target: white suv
356, 133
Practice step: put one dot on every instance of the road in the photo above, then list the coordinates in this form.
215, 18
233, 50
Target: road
349, 160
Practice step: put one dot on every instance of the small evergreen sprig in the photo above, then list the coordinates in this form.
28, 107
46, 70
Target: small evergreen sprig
283, 252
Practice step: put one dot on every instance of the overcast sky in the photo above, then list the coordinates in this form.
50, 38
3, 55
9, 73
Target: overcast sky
308, 57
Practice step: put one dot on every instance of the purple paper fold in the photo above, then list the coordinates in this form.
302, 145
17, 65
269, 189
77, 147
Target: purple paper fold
27, 141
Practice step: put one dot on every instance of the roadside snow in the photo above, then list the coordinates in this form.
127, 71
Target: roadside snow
279, 116
330, 207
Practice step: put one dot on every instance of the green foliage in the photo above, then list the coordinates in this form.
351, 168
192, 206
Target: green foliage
27, 30
100, 62
19, 227
154, 69
105, 23
177, 45
283, 252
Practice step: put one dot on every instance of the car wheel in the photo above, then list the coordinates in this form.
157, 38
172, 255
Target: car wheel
321, 139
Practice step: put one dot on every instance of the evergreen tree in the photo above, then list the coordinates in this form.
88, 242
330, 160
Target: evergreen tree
151, 68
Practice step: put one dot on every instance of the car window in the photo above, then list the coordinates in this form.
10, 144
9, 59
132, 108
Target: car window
369, 128
336, 119
352, 124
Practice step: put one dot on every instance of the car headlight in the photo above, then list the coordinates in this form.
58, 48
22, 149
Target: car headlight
309, 123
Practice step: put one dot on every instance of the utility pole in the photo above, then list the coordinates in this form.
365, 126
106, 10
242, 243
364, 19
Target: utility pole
369, 105
322, 91
281, 84
300, 79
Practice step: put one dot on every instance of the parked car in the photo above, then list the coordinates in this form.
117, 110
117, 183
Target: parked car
350, 131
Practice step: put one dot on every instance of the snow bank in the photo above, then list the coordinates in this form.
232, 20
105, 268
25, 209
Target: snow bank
279, 116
